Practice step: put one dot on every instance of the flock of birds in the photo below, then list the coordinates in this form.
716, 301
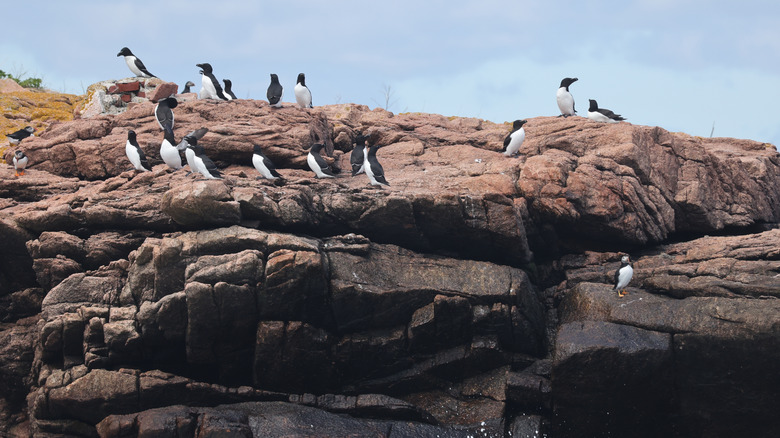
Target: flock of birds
363, 157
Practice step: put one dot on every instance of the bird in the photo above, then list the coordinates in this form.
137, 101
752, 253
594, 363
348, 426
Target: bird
376, 175
317, 164
228, 89
602, 114
134, 64
565, 99
20, 162
203, 164
16, 137
358, 156
264, 165
515, 139
135, 154
302, 93
163, 111
169, 152
187, 87
188, 140
623, 276
275, 92
210, 88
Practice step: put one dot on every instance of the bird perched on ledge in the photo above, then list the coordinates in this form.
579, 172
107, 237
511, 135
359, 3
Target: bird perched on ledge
515, 139
16, 137
20, 162
623, 276
602, 114
565, 99
134, 64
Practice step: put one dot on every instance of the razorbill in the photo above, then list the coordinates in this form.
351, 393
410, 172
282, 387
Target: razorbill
264, 165
169, 152
20, 162
515, 139
317, 164
623, 276
358, 156
16, 137
187, 87
229, 89
275, 92
302, 93
602, 114
191, 139
210, 88
135, 154
372, 167
163, 112
565, 99
203, 164
134, 64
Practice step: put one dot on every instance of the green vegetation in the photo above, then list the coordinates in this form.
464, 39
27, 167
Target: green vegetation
26, 83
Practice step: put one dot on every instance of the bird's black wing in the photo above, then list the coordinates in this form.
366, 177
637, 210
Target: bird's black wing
617, 276
379, 172
270, 166
144, 162
210, 166
142, 67
506, 141
610, 114
164, 115
274, 93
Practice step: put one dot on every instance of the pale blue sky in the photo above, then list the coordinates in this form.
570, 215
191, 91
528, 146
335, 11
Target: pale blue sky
682, 65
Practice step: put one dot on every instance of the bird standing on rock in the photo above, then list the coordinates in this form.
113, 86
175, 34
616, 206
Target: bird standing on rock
229, 89
374, 170
187, 87
211, 89
134, 64
317, 164
135, 154
20, 162
302, 93
275, 92
191, 139
623, 276
358, 157
565, 99
515, 139
169, 152
264, 165
203, 164
163, 112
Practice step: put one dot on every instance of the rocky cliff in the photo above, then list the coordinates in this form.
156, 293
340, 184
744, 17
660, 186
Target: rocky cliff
471, 297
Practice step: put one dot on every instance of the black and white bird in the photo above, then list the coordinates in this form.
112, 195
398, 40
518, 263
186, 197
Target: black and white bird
211, 89
374, 170
191, 139
135, 154
602, 114
317, 164
169, 152
302, 93
134, 64
203, 164
20, 162
275, 92
229, 89
515, 139
16, 137
163, 112
187, 87
264, 165
358, 157
623, 276
565, 99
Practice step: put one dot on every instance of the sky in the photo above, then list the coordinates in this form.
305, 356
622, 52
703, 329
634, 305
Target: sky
700, 67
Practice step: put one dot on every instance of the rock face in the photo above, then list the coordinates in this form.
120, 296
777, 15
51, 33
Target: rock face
471, 297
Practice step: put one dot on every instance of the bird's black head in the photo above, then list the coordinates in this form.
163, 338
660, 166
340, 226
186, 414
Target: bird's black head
19, 154
301, 78
228, 84
517, 124
361, 139
125, 52
317, 147
29, 129
274, 78
189, 84
205, 68
568, 81
593, 105
257, 149
171, 102
198, 149
131, 135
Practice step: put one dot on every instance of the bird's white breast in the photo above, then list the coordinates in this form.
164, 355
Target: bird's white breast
208, 91
516, 141
626, 272
302, 95
565, 102
598, 117
170, 155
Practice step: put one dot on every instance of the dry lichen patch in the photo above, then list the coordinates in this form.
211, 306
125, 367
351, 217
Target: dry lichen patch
38, 109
